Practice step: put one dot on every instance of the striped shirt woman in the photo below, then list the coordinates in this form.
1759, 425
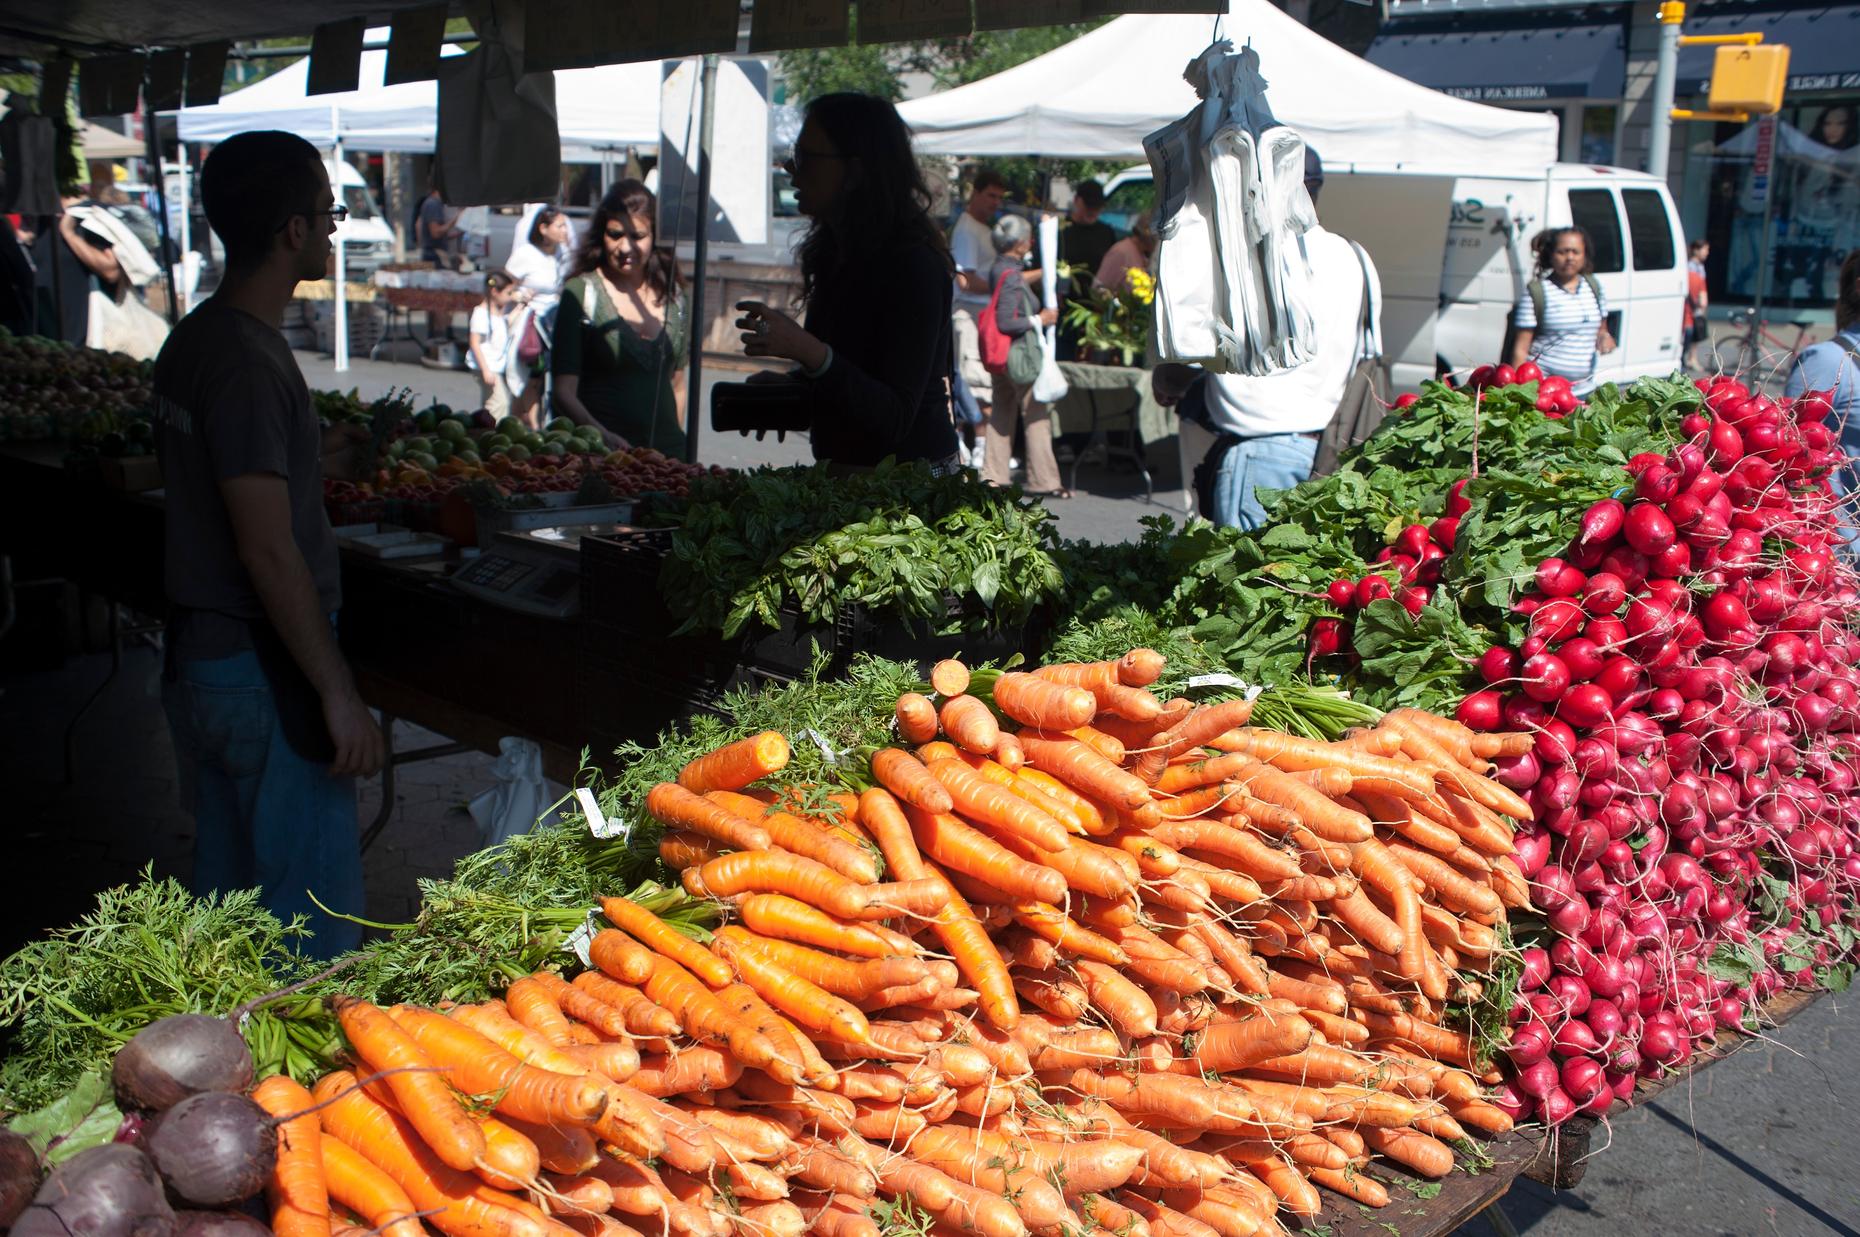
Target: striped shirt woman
1573, 330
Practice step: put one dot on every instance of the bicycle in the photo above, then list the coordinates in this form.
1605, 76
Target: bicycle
1752, 352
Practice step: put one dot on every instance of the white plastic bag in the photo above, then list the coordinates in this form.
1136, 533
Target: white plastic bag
1051, 385
518, 798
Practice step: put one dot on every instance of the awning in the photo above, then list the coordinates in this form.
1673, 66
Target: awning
1508, 63
1823, 44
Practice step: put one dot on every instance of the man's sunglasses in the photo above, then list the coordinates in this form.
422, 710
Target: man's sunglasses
336, 213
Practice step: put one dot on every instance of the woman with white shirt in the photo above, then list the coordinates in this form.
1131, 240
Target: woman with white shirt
538, 264
490, 342
1562, 318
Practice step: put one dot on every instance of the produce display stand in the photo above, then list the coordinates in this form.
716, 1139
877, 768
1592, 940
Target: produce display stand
1108, 397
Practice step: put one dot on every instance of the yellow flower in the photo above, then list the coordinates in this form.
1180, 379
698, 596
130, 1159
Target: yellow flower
1142, 284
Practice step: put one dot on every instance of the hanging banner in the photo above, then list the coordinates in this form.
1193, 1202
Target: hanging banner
740, 180
788, 25
498, 139
1010, 14
206, 73
1114, 8
579, 34
109, 85
907, 21
166, 74
414, 40
336, 57
55, 90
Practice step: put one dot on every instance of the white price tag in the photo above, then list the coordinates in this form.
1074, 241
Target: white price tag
598, 822
820, 741
579, 940
1223, 680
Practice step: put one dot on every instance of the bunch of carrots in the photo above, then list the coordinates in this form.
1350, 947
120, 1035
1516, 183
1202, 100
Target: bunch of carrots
1079, 957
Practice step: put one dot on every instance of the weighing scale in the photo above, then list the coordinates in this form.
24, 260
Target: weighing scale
537, 571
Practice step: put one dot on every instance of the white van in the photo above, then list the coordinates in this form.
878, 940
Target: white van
367, 239
1453, 254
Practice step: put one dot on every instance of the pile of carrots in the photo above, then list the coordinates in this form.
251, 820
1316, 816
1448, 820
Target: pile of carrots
1079, 957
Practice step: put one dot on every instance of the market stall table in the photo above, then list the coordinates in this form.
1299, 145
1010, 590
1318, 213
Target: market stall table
1104, 398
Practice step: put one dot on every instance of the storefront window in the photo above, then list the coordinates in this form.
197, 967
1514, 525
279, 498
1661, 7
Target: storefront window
1598, 135
1784, 204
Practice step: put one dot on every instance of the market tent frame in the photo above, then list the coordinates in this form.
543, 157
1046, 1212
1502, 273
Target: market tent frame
1099, 95
611, 106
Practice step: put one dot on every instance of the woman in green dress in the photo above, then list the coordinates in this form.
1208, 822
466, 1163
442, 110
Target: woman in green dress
620, 344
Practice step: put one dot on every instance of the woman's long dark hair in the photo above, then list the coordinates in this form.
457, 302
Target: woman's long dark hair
885, 206
1544, 246
629, 198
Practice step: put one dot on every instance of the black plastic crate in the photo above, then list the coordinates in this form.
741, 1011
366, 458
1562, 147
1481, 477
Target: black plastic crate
620, 581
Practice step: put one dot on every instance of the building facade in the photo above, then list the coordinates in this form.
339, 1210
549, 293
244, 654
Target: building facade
1778, 198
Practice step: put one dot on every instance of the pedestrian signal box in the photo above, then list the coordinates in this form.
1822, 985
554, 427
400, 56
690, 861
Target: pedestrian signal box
1749, 78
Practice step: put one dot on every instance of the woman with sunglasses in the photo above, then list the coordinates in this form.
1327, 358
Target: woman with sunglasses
619, 353
874, 355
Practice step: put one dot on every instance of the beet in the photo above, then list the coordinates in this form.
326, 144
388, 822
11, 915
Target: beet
179, 1056
20, 1176
214, 1149
108, 1191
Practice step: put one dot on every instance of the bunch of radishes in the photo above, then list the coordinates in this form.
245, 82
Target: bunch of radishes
1690, 674
1555, 398
1418, 555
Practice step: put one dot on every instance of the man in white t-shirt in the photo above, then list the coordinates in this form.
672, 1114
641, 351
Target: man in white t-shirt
1262, 432
972, 247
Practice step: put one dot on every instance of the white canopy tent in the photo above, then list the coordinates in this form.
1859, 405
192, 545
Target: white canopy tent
609, 107
1097, 96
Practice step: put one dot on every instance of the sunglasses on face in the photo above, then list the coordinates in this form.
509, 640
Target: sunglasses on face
801, 158
336, 213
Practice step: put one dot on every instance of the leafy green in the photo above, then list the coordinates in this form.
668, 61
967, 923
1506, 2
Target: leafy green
148, 950
83, 1117
900, 540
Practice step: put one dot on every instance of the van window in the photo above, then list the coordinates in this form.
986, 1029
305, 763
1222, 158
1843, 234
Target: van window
1123, 204
1649, 230
1594, 209
360, 202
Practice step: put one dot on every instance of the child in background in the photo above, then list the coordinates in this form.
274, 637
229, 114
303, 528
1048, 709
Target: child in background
490, 342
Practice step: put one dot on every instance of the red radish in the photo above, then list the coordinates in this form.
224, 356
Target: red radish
1602, 522
1444, 530
1407, 400
1557, 619
1583, 657
1585, 705
1327, 637
1605, 593
1342, 593
1504, 376
1457, 502
1372, 588
1647, 529
1411, 540
1498, 664
1545, 677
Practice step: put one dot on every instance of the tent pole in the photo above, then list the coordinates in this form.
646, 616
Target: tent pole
167, 240
187, 223
694, 354
341, 327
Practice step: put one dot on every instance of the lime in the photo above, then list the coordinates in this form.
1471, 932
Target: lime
419, 442
468, 456
425, 419
509, 427
425, 459
518, 452
560, 425
553, 448
442, 449
533, 441
454, 430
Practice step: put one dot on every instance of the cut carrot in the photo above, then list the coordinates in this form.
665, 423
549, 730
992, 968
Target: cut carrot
736, 765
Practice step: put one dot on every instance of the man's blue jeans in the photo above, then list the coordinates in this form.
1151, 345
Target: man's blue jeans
264, 816
1271, 461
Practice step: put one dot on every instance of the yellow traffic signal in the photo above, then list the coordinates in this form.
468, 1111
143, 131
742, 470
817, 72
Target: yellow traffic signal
1749, 78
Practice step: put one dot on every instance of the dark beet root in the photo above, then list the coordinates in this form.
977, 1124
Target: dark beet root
213, 1149
20, 1176
108, 1191
218, 1224
183, 1055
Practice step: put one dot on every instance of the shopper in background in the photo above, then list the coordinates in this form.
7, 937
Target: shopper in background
1562, 319
269, 728
84, 261
972, 249
538, 263
490, 343
18, 300
440, 234
620, 344
1083, 242
1133, 253
875, 353
1834, 365
1698, 298
1251, 433
1018, 311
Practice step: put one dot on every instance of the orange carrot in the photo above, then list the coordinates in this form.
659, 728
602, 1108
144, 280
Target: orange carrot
783, 918
807, 1003
985, 803
735, 765
675, 805
620, 957
559, 1148
419, 1089
648, 929
1128, 1006
803, 837
841, 975
476, 1066
955, 923
958, 847
1351, 1184
916, 718
681, 849
1085, 771
1042, 704
297, 1189
949, 677
1323, 817
535, 1007
799, 877
905, 776
642, 1017
1051, 924
356, 1184
1226, 1046
970, 725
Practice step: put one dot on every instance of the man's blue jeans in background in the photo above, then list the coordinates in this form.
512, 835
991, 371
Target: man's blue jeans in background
1271, 461
264, 816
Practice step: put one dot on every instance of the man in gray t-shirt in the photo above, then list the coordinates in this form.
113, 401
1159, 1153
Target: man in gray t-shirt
439, 231
269, 728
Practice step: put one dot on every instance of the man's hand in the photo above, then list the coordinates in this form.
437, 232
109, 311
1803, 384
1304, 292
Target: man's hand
342, 457
1604, 342
1170, 382
360, 749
